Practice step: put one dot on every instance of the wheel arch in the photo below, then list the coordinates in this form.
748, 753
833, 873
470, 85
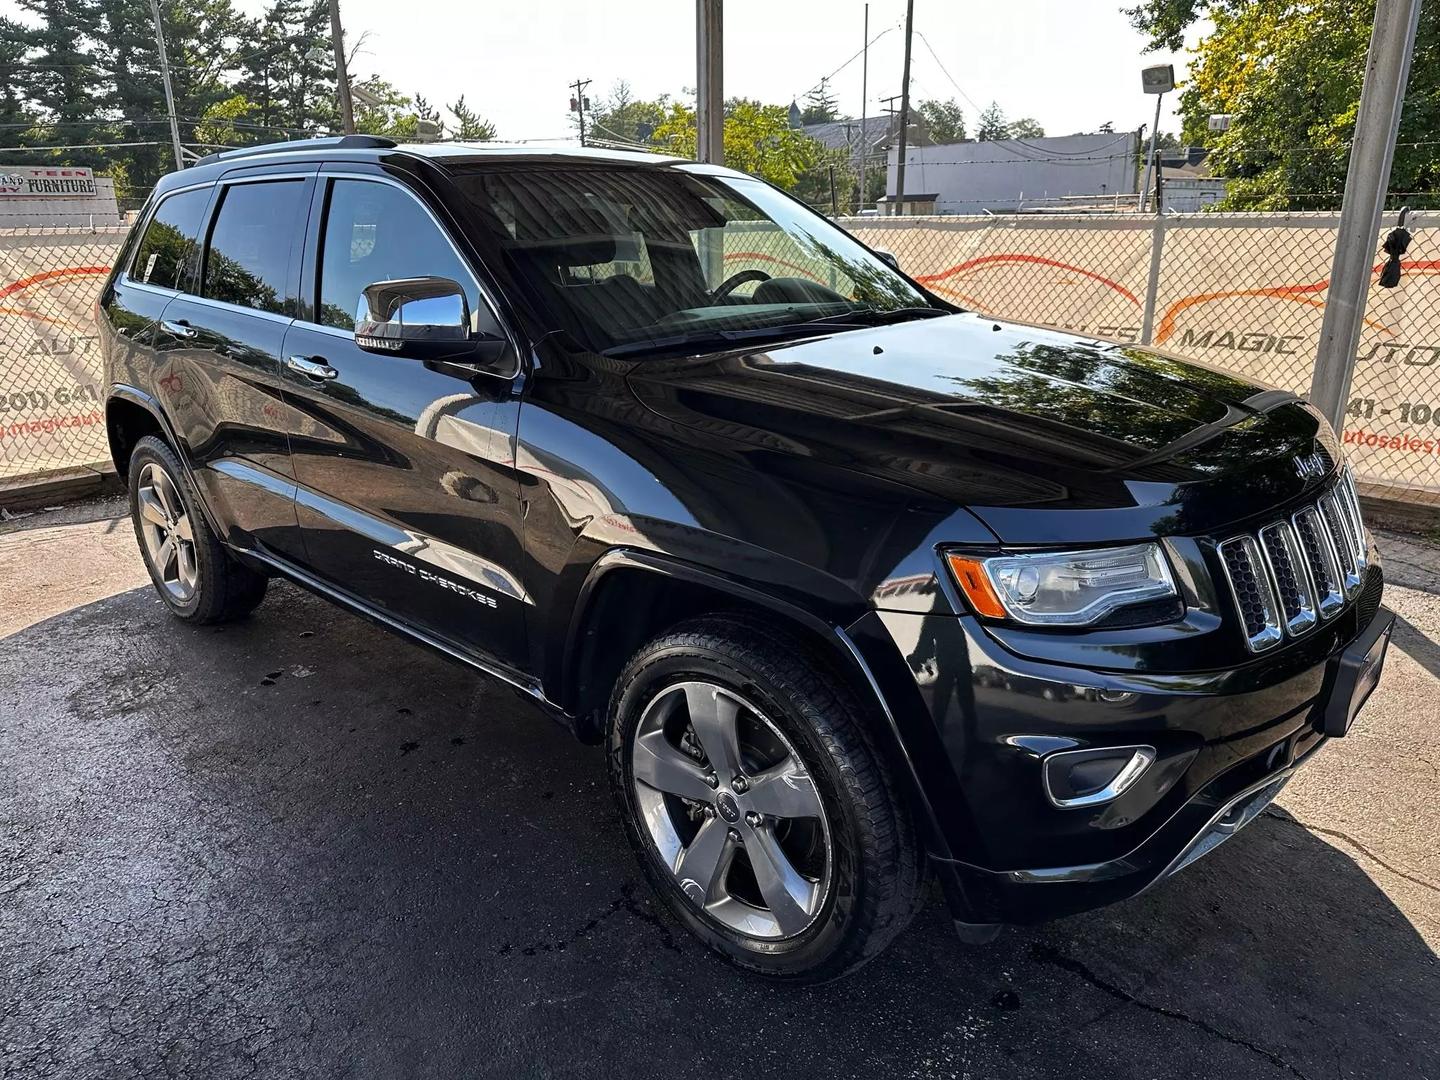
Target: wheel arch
630, 597
130, 415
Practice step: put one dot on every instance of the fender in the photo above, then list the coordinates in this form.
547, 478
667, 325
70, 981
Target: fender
844, 650
136, 396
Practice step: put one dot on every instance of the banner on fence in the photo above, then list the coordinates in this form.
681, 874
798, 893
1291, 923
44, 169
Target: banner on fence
1242, 292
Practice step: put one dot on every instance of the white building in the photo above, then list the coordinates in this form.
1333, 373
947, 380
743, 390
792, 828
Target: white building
1006, 175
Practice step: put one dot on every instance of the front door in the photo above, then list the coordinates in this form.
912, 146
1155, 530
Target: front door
406, 493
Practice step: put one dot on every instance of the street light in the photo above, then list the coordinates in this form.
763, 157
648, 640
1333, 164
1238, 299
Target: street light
1159, 80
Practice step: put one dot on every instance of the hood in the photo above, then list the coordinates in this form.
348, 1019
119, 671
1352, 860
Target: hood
1045, 437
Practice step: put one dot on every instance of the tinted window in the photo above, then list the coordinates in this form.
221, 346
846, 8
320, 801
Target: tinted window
248, 261
375, 232
165, 254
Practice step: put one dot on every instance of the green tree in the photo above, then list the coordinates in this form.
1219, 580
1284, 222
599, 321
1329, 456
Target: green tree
623, 118
1025, 128
820, 106
470, 126
944, 120
758, 139
1289, 74
993, 124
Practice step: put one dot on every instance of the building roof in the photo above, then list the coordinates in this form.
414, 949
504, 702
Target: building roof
838, 134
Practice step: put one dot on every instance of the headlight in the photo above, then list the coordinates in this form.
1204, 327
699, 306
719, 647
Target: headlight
1063, 588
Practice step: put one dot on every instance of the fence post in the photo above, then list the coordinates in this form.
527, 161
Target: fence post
1387, 70
1152, 285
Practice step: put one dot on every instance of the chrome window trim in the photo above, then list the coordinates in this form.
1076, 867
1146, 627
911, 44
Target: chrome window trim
1333, 602
480, 288
1271, 634
1305, 618
226, 305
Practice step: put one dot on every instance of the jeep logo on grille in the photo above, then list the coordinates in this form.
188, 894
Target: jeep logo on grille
1311, 466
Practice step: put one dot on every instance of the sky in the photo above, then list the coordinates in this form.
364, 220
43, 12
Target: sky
1073, 65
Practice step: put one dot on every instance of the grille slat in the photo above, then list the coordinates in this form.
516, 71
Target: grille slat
1250, 585
1291, 578
1324, 564
1293, 574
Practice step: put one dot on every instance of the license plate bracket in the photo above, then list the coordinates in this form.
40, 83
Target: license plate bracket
1355, 673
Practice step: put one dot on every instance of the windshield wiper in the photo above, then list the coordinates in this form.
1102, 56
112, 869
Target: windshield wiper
707, 340
703, 340
879, 316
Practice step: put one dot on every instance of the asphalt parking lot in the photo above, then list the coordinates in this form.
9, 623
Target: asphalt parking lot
299, 846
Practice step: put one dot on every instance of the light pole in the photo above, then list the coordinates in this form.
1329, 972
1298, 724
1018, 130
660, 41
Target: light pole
1158, 80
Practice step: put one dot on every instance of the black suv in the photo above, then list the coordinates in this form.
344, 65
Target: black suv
854, 587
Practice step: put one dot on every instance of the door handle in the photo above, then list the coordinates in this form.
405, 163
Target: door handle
178, 328
314, 369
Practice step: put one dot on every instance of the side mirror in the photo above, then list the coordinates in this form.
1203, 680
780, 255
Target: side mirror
429, 319
888, 256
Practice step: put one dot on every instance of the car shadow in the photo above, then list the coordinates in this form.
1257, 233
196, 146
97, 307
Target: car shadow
299, 846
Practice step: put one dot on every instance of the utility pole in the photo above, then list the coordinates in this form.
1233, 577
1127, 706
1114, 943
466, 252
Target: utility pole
864, 97
165, 78
1372, 150
709, 80
577, 104
342, 77
904, 110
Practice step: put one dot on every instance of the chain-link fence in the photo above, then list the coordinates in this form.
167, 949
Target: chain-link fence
51, 405
1244, 292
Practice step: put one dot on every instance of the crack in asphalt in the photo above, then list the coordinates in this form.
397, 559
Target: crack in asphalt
626, 902
1050, 955
1338, 835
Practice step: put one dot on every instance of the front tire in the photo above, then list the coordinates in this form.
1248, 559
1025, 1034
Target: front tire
757, 802
199, 581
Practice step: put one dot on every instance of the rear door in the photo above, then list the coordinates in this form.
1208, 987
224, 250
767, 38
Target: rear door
160, 265
406, 491
221, 347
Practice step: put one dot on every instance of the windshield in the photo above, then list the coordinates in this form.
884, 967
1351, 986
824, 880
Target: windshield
635, 260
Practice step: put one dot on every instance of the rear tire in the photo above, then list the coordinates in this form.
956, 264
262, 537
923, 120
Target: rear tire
785, 847
197, 578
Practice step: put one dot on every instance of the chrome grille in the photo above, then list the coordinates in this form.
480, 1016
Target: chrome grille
1293, 575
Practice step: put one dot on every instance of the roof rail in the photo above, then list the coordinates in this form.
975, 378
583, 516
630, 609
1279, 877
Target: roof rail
332, 142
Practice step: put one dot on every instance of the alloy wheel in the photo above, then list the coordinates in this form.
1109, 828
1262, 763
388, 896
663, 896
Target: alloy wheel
732, 811
166, 530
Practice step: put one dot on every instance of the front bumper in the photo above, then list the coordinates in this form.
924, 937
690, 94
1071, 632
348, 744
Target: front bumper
1226, 742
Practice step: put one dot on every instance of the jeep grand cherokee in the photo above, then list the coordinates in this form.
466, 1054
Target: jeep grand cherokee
853, 586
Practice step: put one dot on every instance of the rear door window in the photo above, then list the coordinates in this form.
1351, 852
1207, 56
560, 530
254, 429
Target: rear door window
248, 258
166, 254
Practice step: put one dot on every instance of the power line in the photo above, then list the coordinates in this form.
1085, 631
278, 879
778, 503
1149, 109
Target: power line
860, 52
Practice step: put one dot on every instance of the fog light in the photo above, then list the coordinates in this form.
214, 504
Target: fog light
1075, 778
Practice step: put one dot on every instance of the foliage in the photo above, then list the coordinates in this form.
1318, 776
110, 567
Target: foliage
944, 120
994, 125
470, 126
1289, 74
624, 119
88, 72
820, 105
758, 139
